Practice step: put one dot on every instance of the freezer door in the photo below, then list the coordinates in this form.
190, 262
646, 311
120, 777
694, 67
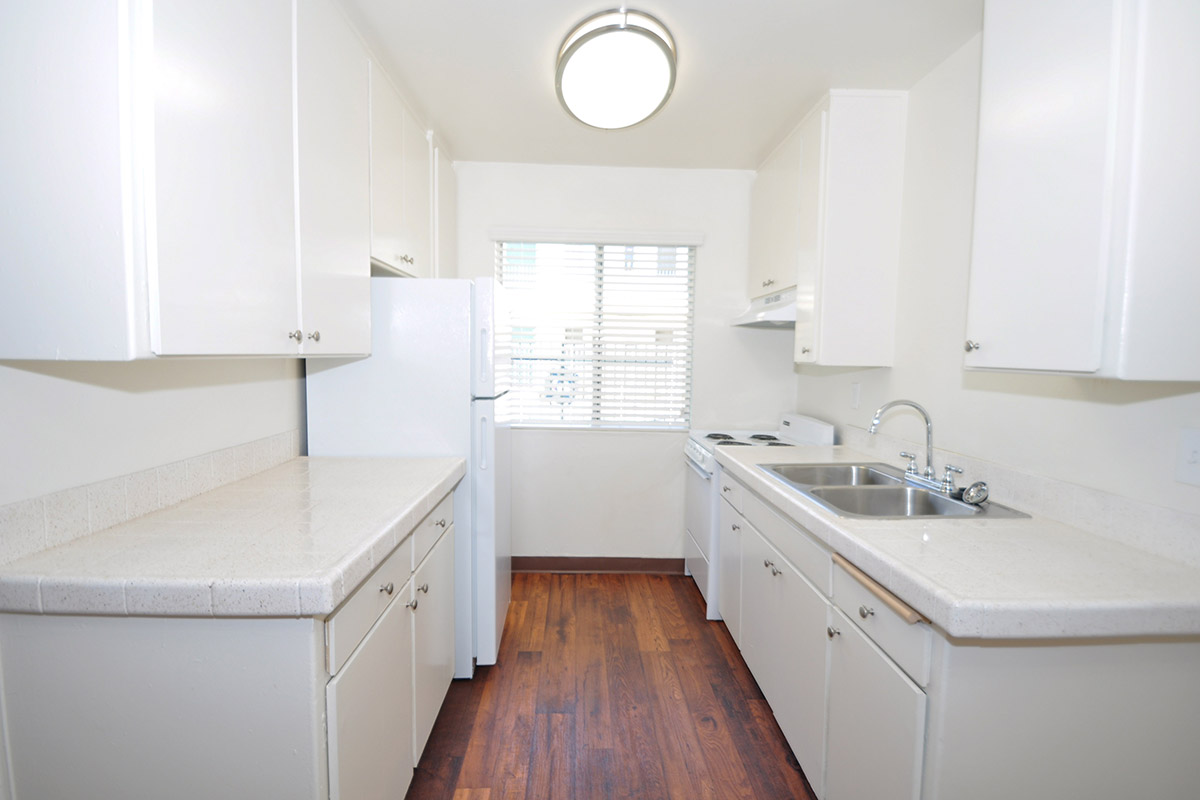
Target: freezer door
491, 460
411, 397
491, 340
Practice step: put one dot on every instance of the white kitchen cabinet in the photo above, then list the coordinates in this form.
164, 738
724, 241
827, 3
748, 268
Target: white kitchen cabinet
370, 747
223, 255
432, 605
236, 707
1083, 259
784, 644
334, 171
876, 720
445, 228
775, 219
168, 223
729, 571
401, 205
850, 187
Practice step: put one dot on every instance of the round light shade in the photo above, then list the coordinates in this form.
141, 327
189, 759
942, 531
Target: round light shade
615, 69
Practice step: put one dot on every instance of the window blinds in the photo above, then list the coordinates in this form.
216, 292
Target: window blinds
601, 333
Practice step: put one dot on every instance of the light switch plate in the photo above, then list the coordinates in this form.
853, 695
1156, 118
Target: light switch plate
1187, 464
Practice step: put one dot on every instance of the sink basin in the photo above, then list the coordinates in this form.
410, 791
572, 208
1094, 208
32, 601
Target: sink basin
836, 474
899, 502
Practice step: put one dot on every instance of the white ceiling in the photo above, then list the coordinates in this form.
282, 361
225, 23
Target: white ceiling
482, 72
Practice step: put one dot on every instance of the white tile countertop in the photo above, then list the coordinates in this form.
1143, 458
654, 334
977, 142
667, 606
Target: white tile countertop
294, 540
991, 578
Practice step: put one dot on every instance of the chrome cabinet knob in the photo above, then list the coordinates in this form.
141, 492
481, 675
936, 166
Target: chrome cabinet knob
315, 336
768, 282
297, 335
411, 604
805, 350
423, 588
832, 632
865, 612
735, 526
725, 489
387, 588
441, 523
971, 346
766, 562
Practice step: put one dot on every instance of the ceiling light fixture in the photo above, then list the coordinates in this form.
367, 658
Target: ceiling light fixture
615, 69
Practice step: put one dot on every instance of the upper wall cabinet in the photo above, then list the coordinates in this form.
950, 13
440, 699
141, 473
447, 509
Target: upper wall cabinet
774, 220
332, 73
1085, 245
850, 153
445, 194
152, 199
401, 205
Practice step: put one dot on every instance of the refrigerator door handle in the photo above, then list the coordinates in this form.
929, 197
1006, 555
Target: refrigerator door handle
493, 397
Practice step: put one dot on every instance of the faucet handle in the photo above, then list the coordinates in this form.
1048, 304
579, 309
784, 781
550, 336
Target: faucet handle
948, 478
911, 469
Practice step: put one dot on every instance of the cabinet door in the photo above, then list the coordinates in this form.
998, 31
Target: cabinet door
369, 704
222, 252
729, 570
775, 219
69, 287
400, 203
1043, 186
446, 226
418, 199
811, 141
876, 721
784, 621
433, 637
333, 137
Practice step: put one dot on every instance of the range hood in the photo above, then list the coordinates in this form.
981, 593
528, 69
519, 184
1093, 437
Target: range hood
773, 311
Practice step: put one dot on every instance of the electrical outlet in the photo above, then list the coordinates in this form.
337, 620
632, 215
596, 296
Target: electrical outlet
1187, 464
855, 394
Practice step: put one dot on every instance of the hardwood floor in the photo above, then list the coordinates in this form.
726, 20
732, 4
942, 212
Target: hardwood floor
608, 686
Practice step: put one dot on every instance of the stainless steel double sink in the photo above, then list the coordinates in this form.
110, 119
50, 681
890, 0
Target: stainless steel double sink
875, 491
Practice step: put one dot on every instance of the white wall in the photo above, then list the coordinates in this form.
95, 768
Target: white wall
68, 424
606, 493
1114, 436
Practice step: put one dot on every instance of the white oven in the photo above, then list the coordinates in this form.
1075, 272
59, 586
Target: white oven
702, 495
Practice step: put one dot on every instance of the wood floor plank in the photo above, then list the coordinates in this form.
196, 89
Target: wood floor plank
552, 767
593, 721
670, 615
646, 623
557, 691
635, 751
687, 774
640, 698
712, 725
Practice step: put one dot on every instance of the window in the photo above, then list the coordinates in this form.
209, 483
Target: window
601, 333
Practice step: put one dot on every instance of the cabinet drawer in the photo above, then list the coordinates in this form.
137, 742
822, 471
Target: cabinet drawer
898, 629
427, 532
792, 542
351, 622
731, 490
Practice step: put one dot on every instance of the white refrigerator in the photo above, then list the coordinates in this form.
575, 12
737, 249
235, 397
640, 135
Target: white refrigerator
433, 386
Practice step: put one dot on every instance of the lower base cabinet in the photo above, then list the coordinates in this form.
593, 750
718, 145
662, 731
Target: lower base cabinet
194, 708
876, 720
784, 644
432, 606
371, 752
877, 704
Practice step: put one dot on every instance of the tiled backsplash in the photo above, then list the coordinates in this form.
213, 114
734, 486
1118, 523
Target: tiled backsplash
29, 526
1162, 531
